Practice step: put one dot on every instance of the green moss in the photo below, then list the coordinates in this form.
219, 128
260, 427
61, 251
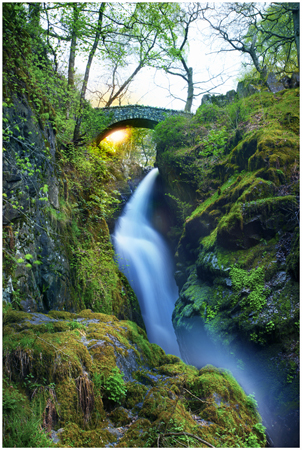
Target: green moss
135, 435
253, 282
63, 315
73, 436
13, 316
120, 417
135, 394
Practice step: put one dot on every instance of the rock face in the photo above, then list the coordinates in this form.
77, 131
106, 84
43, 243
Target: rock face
245, 90
41, 236
238, 299
97, 381
273, 84
31, 190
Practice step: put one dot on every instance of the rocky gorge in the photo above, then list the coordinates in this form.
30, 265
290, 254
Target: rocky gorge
236, 239
78, 369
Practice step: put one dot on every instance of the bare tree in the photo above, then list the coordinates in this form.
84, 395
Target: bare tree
258, 31
176, 63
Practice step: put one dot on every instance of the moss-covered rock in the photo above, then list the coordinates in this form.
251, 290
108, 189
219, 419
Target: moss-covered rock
103, 383
236, 252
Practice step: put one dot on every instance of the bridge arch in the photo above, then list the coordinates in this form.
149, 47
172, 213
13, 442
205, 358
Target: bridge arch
137, 116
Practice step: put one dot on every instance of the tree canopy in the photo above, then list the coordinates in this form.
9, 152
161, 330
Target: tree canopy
119, 40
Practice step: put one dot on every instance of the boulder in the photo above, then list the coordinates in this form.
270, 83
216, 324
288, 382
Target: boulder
231, 95
286, 81
244, 90
206, 99
273, 84
295, 80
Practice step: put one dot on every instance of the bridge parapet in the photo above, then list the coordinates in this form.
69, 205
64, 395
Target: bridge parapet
135, 115
121, 113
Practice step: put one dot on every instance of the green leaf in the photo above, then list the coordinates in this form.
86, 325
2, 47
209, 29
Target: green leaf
28, 256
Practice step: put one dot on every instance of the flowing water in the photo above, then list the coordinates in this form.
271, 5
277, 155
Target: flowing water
144, 257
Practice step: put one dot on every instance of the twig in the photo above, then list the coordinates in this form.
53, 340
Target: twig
184, 433
203, 401
59, 350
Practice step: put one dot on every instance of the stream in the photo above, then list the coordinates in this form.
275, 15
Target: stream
145, 259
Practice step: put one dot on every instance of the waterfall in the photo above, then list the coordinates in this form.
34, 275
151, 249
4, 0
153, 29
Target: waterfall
145, 259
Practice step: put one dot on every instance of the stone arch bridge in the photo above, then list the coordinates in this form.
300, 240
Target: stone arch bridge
136, 116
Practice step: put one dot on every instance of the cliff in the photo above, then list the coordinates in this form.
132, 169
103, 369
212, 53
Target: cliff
231, 176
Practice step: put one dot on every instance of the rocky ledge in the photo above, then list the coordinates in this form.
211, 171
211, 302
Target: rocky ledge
95, 381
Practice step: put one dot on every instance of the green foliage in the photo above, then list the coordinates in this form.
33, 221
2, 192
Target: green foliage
114, 386
24, 431
183, 209
214, 143
237, 112
12, 401
75, 325
176, 132
97, 380
252, 441
275, 38
208, 113
21, 427
97, 276
93, 122
251, 402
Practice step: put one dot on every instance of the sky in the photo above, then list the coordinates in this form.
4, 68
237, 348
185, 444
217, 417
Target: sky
151, 87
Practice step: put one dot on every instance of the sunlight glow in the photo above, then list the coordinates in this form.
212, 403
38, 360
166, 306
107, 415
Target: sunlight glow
117, 136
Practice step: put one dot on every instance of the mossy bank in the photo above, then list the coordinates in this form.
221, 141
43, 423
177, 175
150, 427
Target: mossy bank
91, 380
231, 176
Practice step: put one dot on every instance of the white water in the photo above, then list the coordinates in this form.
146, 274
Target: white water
145, 259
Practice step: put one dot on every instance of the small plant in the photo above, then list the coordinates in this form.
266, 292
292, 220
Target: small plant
31, 383
260, 428
251, 402
74, 325
11, 401
252, 441
49, 327
269, 326
97, 380
114, 386
214, 143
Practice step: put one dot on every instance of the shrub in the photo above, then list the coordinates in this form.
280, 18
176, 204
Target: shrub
176, 132
214, 143
115, 386
251, 402
209, 113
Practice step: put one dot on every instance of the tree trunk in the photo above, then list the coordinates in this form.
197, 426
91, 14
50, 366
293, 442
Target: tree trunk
72, 52
254, 56
76, 132
124, 85
296, 21
190, 90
